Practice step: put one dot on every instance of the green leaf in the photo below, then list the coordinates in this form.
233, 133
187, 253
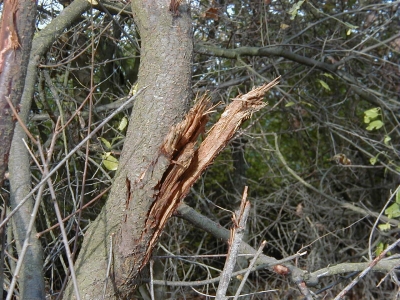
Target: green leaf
373, 160
293, 11
350, 25
306, 103
387, 140
375, 125
398, 197
106, 143
289, 104
328, 75
109, 161
324, 84
381, 246
123, 123
372, 113
393, 211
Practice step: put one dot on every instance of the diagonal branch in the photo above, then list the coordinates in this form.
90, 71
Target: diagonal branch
363, 92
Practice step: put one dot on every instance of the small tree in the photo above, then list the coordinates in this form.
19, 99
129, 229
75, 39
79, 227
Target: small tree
320, 161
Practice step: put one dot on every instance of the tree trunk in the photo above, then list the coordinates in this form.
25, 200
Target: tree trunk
16, 32
31, 280
165, 69
17, 29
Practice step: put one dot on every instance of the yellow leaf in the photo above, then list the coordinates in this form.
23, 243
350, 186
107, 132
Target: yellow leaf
372, 113
106, 143
293, 10
328, 75
289, 104
384, 227
284, 26
375, 125
123, 123
324, 84
133, 90
109, 161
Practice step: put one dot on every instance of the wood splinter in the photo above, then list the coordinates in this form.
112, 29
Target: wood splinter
187, 162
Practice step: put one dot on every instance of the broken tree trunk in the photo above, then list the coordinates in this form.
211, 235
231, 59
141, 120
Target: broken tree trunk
187, 162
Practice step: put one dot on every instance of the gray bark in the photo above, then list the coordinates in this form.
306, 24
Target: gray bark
31, 279
17, 26
16, 31
165, 69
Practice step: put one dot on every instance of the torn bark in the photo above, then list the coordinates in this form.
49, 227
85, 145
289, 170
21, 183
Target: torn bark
188, 163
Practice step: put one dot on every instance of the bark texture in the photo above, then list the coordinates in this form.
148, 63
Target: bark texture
165, 69
31, 280
16, 32
17, 29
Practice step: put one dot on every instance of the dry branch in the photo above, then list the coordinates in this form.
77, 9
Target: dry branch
188, 163
237, 233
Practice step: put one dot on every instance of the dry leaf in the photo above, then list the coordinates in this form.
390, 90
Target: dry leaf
211, 13
341, 159
284, 26
396, 44
299, 209
281, 270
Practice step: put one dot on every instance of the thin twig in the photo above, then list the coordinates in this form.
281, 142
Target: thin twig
101, 194
151, 280
21, 123
217, 279
246, 275
108, 266
59, 219
334, 200
377, 221
61, 163
369, 268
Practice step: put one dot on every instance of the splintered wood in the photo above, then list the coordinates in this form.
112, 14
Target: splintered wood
188, 161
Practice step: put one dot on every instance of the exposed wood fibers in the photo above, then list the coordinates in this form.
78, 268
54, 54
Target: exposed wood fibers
188, 162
